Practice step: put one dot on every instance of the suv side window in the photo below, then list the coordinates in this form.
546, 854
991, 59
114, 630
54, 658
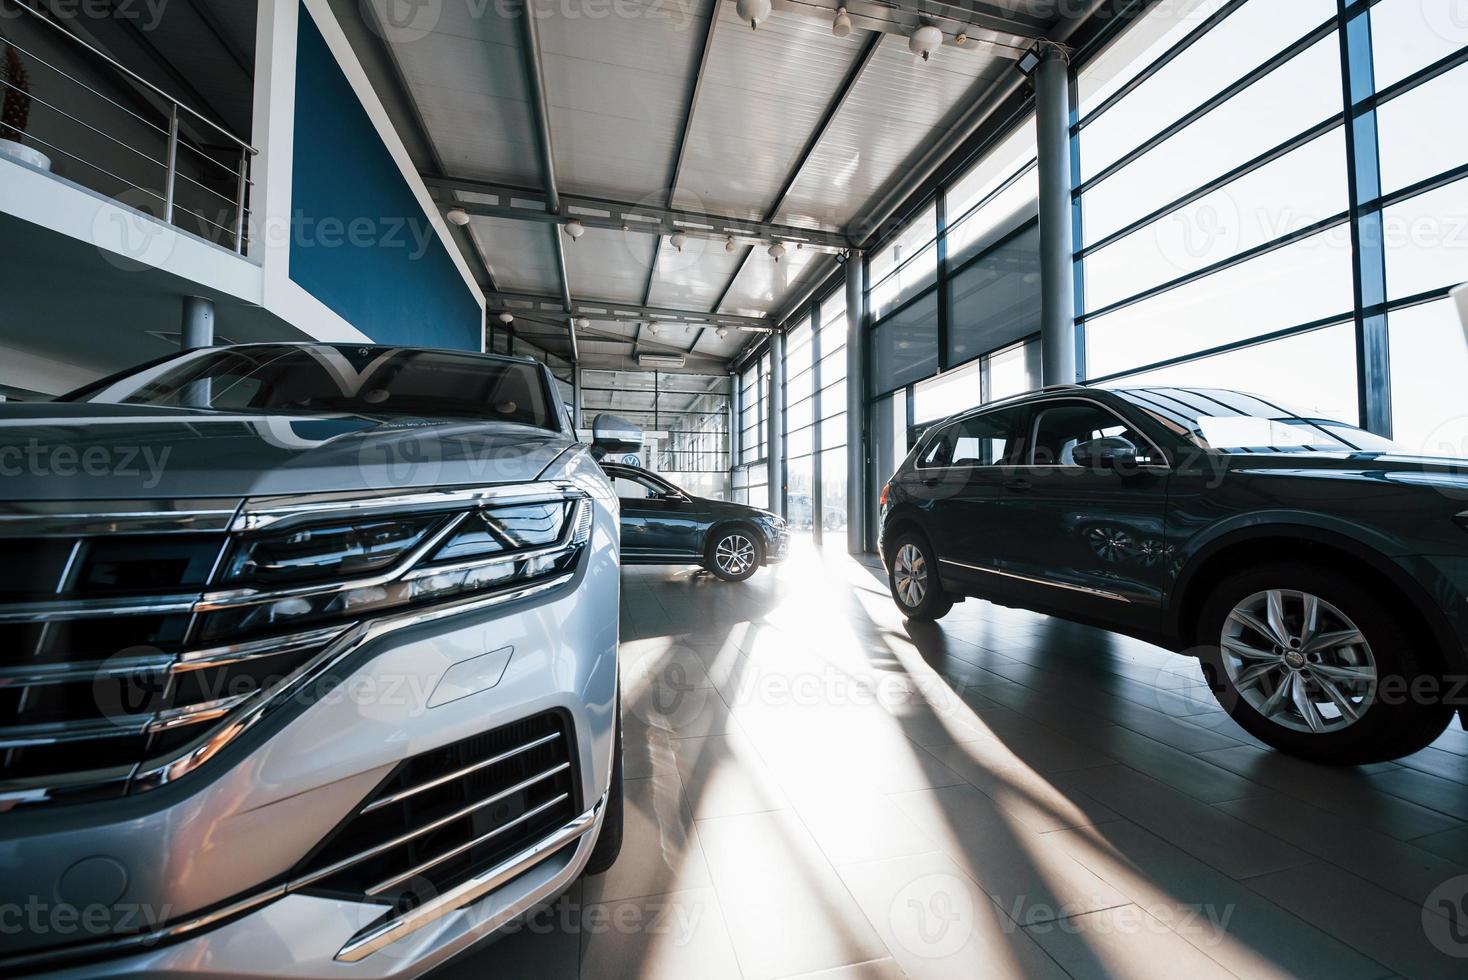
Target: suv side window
1062, 426
631, 486
987, 439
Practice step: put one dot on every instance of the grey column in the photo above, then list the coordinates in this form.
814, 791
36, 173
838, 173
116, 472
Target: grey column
198, 323
576, 397
1057, 247
776, 458
856, 388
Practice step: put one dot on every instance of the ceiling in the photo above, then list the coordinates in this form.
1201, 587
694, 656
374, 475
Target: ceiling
683, 106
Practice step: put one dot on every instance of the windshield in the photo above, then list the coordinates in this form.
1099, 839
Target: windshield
297, 379
1234, 423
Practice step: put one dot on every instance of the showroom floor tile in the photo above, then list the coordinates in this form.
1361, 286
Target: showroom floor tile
818, 790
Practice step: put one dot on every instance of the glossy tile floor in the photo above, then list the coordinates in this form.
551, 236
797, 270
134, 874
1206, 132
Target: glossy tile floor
817, 788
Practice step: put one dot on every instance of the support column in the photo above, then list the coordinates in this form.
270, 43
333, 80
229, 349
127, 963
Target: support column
856, 390
576, 398
198, 323
775, 460
1057, 244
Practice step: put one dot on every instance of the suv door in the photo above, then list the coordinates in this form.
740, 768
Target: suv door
958, 479
1088, 539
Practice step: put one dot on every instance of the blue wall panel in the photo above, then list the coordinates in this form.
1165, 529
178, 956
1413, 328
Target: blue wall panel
360, 241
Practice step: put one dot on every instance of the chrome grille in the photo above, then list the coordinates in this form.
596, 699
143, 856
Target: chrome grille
127, 657
446, 815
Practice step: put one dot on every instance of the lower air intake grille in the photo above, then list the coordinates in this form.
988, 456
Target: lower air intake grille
446, 815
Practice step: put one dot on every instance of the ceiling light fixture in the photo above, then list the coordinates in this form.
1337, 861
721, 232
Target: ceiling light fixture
961, 39
575, 229
729, 245
507, 318
1029, 61
723, 332
678, 240
652, 328
582, 323
841, 26
752, 11
457, 216
924, 41
777, 252
662, 360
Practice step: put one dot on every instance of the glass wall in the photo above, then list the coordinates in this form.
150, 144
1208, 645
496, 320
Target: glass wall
685, 416
1219, 164
800, 420
831, 410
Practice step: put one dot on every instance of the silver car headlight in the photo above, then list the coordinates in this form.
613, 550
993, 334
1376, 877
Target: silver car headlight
303, 567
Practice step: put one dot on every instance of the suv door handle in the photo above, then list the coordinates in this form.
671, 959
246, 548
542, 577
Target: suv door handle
931, 481
1018, 486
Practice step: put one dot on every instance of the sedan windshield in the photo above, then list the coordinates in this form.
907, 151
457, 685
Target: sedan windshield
311, 379
1234, 423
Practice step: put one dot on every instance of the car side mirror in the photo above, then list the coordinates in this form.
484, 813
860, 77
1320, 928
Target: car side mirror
1112, 453
610, 434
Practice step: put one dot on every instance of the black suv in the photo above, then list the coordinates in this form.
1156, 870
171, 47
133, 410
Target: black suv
1319, 573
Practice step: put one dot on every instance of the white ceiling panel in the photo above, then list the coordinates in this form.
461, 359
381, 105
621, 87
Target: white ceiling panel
694, 278
617, 87
764, 282
468, 80
900, 106
764, 93
521, 256
605, 264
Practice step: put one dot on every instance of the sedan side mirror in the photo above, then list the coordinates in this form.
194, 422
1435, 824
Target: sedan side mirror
1112, 453
610, 434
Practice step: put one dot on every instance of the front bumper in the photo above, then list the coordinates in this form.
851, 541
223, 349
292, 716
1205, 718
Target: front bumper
216, 851
777, 546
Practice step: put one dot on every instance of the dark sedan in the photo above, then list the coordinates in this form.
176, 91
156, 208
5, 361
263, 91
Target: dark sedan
1320, 574
663, 525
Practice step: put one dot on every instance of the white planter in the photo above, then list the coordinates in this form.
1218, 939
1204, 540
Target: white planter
26, 155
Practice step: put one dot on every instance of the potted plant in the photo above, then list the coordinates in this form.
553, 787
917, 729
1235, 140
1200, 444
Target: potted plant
15, 112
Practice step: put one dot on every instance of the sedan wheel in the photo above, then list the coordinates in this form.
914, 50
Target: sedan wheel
734, 556
1299, 661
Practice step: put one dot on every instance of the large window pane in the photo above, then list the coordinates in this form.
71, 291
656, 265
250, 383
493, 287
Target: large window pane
1014, 371
1298, 284
1429, 362
1141, 44
1283, 104
800, 492
906, 345
833, 492
1313, 373
1422, 134
1407, 35
948, 394
1427, 241
1248, 38
1306, 186
1013, 153
995, 300
1016, 203
833, 431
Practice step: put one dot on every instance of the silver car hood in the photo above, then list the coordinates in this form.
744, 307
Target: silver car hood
66, 451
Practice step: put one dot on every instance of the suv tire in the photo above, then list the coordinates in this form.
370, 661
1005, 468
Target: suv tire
1336, 690
912, 573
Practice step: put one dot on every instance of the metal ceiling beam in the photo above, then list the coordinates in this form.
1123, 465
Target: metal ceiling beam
983, 25
693, 92
529, 304
843, 94
524, 204
535, 80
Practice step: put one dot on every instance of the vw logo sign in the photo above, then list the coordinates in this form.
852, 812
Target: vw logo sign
632, 459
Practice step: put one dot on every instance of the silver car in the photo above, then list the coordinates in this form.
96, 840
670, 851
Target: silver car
309, 663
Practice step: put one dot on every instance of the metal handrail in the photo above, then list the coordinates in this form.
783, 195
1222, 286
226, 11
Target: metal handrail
176, 111
134, 76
